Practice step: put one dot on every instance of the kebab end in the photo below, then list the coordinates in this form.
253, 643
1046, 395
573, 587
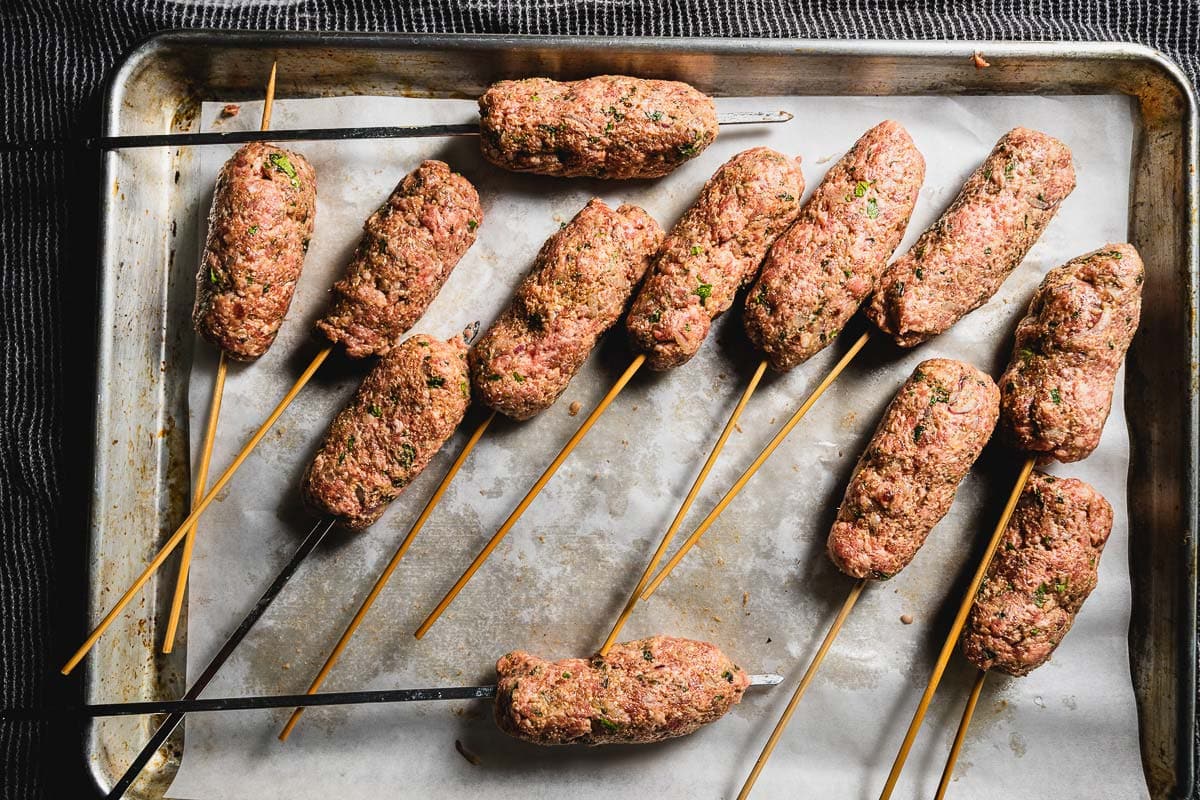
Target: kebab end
1045, 568
609, 126
642, 691
1058, 388
403, 412
408, 249
259, 225
905, 482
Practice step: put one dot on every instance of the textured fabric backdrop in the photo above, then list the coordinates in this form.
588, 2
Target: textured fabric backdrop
54, 56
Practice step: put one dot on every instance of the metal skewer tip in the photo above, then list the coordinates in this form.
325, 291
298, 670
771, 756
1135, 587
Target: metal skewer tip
767, 679
753, 117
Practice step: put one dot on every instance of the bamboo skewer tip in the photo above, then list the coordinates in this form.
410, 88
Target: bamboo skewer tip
761, 459
386, 575
955, 631
173, 542
961, 734
531, 495
686, 506
809, 674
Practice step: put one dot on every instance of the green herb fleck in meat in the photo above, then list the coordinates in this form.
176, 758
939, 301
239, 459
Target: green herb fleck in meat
253, 229
464, 387
518, 377
727, 675
408, 454
786, 197
646, 654
918, 432
654, 116
435, 382
472, 225
861, 187
696, 250
281, 163
872, 208
375, 411
704, 291
656, 316
608, 724
1039, 596
1055, 396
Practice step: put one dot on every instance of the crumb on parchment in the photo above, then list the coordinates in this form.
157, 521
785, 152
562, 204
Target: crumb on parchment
573, 409
465, 753
979, 61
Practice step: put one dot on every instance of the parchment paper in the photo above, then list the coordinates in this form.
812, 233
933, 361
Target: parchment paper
760, 586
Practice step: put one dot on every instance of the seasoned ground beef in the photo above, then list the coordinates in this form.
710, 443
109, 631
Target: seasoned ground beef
712, 252
407, 251
1042, 572
906, 479
261, 219
610, 126
401, 415
818, 272
959, 263
580, 284
643, 691
1057, 391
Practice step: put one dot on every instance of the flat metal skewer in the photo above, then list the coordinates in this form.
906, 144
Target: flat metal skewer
327, 134
369, 696
310, 542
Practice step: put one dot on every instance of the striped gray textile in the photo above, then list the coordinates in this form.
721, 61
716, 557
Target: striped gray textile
54, 57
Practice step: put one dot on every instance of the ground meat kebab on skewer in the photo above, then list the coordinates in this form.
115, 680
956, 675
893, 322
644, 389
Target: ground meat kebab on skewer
1058, 388
609, 126
408, 248
403, 412
432, 227
261, 219
712, 252
641, 691
1043, 572
960, 262
826, 261
1055, 396
580, 284
955, 266
818, 273
905, 481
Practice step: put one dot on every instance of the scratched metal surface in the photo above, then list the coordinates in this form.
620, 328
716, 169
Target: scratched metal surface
617, 524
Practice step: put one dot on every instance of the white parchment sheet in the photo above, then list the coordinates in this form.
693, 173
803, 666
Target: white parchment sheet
760, 586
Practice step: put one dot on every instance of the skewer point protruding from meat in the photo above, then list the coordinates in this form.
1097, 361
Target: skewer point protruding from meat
819, 271
609, 126
409, 247
262, 217
642, 691
904, 483
1057, 391
1045, 568
403, 412
712, 252
961, 260
579, 286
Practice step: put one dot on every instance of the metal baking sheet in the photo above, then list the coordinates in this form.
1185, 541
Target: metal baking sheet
145, 219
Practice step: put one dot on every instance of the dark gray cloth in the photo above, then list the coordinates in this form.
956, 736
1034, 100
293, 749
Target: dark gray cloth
55, 56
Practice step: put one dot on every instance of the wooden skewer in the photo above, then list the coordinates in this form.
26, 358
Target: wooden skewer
386, 575
630, 371
210, 434
176, 537
683, 509
956, 627
963, 724
189, 543
758, 462
809, 674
